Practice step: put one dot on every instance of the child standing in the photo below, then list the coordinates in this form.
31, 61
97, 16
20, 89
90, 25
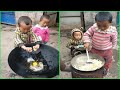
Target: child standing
24, 36
41, 29
104, 37
76, 43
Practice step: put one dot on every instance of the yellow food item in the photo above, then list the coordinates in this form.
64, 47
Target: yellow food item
39, 66
34, 63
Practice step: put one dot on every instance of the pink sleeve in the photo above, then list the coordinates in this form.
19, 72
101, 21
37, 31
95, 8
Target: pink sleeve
89, 33
47, 35
114, 39
34, 29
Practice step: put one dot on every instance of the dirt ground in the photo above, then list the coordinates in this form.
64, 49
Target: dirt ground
65, 56
7, 46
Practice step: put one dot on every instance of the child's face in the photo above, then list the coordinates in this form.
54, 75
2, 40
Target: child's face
103, 25
77, 35
44, 22
25, 28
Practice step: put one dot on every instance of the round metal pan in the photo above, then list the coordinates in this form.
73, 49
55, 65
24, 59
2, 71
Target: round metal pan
19, 65
84, 57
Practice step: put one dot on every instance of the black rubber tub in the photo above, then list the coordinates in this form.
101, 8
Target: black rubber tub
19, 65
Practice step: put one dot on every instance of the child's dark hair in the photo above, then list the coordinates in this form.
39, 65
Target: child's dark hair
103, 16
45, 16
24, 19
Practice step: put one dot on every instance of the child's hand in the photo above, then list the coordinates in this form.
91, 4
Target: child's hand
36, 47
86, 45
29, 49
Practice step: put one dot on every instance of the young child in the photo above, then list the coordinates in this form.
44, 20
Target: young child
76, 41
41, 29
103, 36
24, 36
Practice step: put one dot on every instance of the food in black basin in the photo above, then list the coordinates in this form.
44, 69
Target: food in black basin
47, 54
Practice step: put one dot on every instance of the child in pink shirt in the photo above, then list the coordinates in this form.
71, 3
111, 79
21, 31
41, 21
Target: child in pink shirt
41, 29
103, 36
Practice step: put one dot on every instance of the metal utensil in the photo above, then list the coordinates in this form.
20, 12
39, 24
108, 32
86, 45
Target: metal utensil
88, 61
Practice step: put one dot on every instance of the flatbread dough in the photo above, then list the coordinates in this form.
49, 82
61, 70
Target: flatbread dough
84, 66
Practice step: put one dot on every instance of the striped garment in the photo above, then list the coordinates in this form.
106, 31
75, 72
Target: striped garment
22, 39
101, 40
73, 42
